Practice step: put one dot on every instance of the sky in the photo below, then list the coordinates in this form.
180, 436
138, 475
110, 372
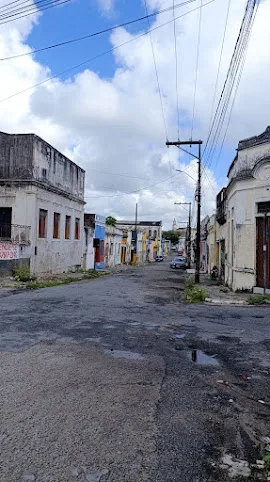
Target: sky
113, 115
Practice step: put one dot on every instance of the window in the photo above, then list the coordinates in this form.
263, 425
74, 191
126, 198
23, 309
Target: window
56, 225
42, 226
5, 223
44, 172
77, 228
111, 249
264, 207
67, 227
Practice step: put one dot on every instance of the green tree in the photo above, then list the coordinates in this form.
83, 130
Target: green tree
171, 236
110, 221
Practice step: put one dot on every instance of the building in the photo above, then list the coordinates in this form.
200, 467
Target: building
41, 206
113, 241
148, 240
94, 241
248, 215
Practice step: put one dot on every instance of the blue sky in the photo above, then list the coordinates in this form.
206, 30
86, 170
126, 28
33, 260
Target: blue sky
107, 115
78, 18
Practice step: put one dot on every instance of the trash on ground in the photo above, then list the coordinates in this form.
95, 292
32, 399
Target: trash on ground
266, 440
235, 467
223, 382
231, 400
180, 336
261, 401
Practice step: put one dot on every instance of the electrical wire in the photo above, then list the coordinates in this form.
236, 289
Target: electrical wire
220, 60
236, 90
231, 79
176, 71
132, 192
100, 32
48, 79
35, 11
156, 72
196, 69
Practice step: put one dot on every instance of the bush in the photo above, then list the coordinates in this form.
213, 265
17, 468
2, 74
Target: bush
258, 299
194, 294
23, 274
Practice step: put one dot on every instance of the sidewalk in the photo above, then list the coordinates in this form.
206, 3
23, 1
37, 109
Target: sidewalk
219, 294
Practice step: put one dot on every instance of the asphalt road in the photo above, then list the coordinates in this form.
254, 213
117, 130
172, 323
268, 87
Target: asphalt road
104, 380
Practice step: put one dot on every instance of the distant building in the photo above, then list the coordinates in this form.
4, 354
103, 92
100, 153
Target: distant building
94, 248
41, 206
148, 240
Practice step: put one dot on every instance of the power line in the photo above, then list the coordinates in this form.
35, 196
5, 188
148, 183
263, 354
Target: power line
18, 10
48, 79
100, 32
156, 72
232, 74
220, 59
132, 192
236, 90
176, 71
52, 4
196, 69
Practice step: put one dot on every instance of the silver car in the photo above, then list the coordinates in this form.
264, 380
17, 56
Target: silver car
178, 262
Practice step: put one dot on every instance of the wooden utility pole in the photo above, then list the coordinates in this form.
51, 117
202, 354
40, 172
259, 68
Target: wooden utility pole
134, 259
188, 233
179, 144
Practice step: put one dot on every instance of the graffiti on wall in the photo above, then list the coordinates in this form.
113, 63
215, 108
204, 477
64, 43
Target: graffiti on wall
9, 251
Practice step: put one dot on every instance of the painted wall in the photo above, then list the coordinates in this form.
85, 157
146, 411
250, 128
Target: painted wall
243, 194
100, 234
46, 255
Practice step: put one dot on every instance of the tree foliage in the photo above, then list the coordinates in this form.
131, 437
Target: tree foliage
171, 236
110, 221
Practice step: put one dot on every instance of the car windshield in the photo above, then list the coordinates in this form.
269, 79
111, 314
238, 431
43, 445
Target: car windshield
179, 260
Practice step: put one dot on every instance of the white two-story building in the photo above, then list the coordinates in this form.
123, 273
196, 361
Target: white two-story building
41, 206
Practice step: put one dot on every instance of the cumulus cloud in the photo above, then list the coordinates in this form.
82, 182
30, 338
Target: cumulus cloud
114, 127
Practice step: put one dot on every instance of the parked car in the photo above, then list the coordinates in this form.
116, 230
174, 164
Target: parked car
178, 262
159, 258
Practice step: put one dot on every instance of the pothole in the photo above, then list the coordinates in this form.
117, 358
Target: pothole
200, 358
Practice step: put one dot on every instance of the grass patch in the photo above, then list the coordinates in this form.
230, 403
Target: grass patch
193, 293
258, 299
90, 274
23, 274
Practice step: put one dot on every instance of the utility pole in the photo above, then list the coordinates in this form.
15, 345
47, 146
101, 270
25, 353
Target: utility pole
198, 197
135, 237
188, 233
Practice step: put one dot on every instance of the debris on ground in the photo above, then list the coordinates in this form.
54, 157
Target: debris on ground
235, 467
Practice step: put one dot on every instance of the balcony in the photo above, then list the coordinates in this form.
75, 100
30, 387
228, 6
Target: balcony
15, 233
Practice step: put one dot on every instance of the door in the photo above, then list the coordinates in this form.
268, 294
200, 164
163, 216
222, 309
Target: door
5, 223
262, 224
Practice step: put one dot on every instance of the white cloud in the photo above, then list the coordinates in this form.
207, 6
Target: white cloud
114, 128
106, 5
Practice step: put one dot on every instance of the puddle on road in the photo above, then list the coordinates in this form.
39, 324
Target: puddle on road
199, 357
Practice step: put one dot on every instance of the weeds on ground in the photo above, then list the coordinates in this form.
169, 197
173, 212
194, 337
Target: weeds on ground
258, 299
90, 274
193, 293
23, 274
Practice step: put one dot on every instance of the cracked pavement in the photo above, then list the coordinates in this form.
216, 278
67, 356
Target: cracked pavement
96, 385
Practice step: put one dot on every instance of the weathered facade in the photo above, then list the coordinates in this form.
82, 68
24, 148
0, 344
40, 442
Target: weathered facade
248, 215
41, 205
148, 240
